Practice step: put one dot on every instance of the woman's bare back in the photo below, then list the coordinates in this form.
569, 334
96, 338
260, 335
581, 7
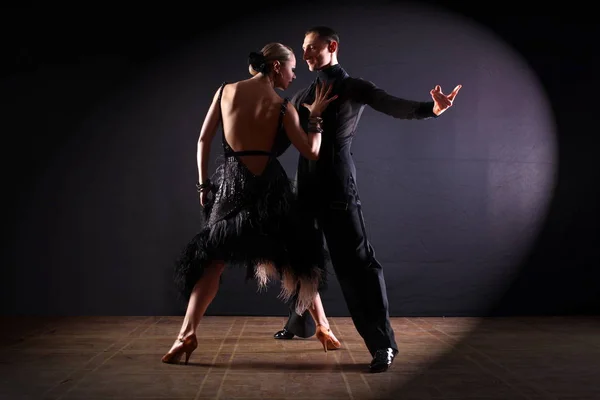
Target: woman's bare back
250, 111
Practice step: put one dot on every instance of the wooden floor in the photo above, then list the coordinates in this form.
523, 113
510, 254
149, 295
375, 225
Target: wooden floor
440, 358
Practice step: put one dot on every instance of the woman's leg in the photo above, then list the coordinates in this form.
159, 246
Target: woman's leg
202, 295
318, 312
324, 334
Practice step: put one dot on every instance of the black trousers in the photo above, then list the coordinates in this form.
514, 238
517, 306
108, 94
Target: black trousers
359, 273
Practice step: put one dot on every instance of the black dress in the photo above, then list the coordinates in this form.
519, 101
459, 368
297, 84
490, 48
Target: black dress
252, 221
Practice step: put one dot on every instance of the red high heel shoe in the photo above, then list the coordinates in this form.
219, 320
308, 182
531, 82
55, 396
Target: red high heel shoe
187, 346
327, 339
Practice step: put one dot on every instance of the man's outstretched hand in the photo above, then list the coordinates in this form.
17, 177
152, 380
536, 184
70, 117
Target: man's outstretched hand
442, 102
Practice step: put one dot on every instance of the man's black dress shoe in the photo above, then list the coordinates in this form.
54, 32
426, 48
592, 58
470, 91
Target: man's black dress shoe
382, 360
283, 334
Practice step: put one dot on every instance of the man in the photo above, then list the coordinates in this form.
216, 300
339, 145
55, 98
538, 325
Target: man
328, 193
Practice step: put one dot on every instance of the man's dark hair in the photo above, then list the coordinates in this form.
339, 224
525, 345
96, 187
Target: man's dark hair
324, 33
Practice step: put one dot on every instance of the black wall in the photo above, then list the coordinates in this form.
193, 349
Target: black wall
490, 208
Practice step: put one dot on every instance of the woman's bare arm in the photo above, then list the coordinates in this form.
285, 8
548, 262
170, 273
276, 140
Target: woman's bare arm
307, 144
207, 133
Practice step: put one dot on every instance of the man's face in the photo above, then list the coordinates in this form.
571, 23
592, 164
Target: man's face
316, 52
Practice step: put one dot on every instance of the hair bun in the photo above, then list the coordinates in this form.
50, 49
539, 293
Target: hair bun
257, 61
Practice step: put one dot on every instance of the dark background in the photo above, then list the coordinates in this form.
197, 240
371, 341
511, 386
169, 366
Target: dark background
491, 209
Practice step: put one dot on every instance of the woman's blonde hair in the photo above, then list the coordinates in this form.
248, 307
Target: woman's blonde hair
263, 61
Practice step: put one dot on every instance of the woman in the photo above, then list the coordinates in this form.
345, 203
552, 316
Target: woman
249, 203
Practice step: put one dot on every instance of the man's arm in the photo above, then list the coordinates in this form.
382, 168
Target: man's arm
367, 93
